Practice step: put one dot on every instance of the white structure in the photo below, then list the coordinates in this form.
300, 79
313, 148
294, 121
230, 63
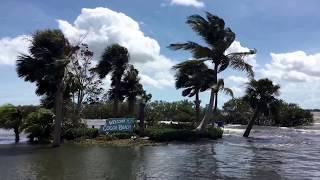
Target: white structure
94, 123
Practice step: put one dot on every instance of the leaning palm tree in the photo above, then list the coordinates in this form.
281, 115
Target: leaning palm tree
114, 60
218, 39
132, 87
261, 96
193, 77
45, 65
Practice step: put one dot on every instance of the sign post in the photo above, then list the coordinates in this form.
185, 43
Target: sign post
118, 125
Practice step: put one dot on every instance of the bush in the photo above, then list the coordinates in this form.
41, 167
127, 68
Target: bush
39, 125
74, 133
170, 134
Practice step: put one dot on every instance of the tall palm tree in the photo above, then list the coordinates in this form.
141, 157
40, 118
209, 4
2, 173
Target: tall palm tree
45, 65
114, 60
132, 87
218, 39
261, 95
193, 77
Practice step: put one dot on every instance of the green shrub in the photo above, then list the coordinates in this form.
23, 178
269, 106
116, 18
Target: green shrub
74, 133
170, 134
214, 133
39, 125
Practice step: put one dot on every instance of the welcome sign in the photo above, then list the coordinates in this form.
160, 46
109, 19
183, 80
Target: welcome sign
118, 125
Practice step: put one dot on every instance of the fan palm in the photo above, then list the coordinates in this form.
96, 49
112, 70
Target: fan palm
45, 65
261, 95
193, 77
218, 39
114, 60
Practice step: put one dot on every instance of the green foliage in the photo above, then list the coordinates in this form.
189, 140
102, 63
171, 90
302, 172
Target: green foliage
74, 133
171, 134
39, 125
182, 111
193, 76
237, 111
46, 61
10, 117
289, 115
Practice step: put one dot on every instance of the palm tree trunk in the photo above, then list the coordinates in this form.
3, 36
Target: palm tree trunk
59, 116
197, 103
204, 122
17, 137
251, 123
115, 106
215, 102
131, 103
141, 118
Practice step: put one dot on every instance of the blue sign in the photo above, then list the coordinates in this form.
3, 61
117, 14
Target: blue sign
118, 125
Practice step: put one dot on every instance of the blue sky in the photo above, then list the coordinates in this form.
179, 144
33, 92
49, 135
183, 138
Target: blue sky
286, 34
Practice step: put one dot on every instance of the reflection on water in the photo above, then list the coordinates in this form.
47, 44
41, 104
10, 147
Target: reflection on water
273, 153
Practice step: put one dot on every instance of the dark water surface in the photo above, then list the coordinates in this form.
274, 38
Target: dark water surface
273, 153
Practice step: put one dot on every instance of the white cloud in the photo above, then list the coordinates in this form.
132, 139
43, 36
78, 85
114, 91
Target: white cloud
298, 74
293, 66
238, 79
10, 48
237, 47
195, 3
101, 27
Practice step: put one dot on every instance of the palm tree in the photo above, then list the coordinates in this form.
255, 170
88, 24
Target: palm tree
132, 87
218, 39
193, 77
45, 65
114, 60
261, 96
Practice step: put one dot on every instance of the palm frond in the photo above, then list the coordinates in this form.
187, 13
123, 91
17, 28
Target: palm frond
237, 62
196, 49
228, 91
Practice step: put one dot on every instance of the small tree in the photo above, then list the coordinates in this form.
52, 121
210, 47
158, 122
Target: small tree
11, 118
39, 125
261, 96
83, 83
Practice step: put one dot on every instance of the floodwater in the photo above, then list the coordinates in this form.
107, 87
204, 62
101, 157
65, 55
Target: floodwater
271, 153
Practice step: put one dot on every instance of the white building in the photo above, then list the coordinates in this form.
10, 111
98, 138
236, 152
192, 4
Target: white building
94, 123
